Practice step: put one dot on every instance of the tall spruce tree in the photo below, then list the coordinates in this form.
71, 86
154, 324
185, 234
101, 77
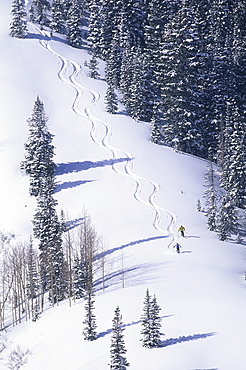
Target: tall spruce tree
180, 50
58, 17
227, 222
89, 331
111, 100
40, 167
110, 19
155, 323
233, 154
94, 27
18, 25
118, 360
151, 322
211, 197
39, 152
47, 229
74, 37
141, 96
146, 321
39, 12
93, 66
79, 278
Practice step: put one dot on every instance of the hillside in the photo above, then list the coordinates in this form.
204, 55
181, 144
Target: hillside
137, 195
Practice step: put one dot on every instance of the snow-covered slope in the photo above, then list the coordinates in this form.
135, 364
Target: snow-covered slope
137, 195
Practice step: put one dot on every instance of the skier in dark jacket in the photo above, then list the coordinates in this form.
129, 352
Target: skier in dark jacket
178, 247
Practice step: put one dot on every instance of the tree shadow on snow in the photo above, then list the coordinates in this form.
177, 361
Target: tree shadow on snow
69, 225
172, 341
65, 168
135, 242
109, 331
70, 184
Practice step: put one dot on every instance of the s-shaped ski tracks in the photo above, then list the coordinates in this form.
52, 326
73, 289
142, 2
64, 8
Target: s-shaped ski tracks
69, 74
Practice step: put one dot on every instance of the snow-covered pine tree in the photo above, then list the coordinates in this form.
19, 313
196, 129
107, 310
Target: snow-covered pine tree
39, 12
47, 229
227, 222
222, 80
94, 27
39, 153
118, 360
210, 195
93, 66
151, 322
39, 165
155, 323
141, 96
110, 11
57, 23
89, 322
18, 25
146, 322
180, 63
74, 37
233, 155
111, 100
79, 278
113, 62
198, 205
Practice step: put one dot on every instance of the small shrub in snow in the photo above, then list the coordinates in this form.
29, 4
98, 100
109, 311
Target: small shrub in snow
17, 358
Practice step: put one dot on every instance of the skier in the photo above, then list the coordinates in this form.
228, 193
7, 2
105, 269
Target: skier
178, 247
182, 230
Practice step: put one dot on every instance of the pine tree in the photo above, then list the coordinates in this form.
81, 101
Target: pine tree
233, 155
211, 197
110, 19
39, 12
39, 153
47, 229
40, 167
74, 37
155, 323
79, 278
89, 331
141, 97
113, 62
18, 25
111, 100
146, 322
93, 69
118, 360
94, 27
180, 51
58, 17
227, 219
151, 322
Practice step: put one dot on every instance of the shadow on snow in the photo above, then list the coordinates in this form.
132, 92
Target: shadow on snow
70, 184
65, 168
172, 341
135, 242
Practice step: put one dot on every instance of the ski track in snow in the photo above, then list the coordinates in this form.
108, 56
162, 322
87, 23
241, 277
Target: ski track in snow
68, 74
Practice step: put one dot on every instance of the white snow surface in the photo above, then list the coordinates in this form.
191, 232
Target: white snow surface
137, 195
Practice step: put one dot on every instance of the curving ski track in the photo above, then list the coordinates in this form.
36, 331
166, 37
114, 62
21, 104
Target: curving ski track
68, 74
